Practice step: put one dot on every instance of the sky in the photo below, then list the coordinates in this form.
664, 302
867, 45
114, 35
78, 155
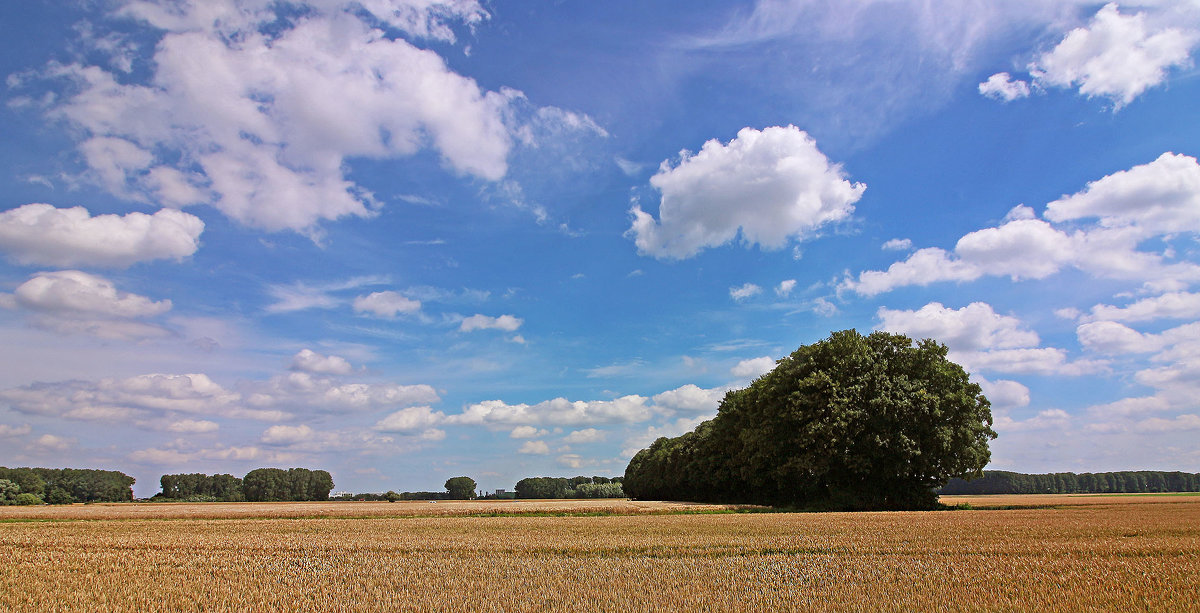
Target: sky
405, 240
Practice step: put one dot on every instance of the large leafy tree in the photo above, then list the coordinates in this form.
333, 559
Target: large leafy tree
852, 421
460, 488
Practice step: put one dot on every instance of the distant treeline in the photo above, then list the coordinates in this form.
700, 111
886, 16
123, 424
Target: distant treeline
1140, 481
574, 487
63, 485
259, 485
530, 487
394, 496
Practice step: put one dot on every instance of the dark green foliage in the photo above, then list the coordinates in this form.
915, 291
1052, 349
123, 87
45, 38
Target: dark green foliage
599, 490
67, 485
460, 488
26, 499
58, 495
543, 487
849, 422
8, 491
576, 487
1143, 481
275, 484
196, 486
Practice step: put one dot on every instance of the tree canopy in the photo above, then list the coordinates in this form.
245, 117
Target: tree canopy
269, 484
849, 422
68, 485
460, 488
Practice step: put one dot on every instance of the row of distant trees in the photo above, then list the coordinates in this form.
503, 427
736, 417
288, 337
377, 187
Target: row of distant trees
63, 485
259, 485
1004, 482
573, 487
463, 488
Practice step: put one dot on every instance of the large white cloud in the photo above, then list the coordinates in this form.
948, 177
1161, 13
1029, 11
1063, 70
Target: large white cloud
1004, 394
309, 361
261, 121
40, 234
771, 186
1146, 201
753, 367
139, 397
1113, 338
287, 435
432, 19
302, 390
982, 340
1161, 197
558, 412
411, 419
1115, 56
1171, 305
691, 399
142, 399
73, 291
1028, 361
72, 301
973, 327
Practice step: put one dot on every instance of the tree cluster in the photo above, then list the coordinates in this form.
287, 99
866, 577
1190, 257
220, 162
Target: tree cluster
573, 487
277, 484
197, 487
63, 485
259, 485
849, 422
1141, 481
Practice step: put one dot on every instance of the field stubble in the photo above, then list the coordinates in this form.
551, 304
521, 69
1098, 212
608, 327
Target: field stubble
1119, 554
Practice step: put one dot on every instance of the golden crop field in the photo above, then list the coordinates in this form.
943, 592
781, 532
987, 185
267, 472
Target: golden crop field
1084, 553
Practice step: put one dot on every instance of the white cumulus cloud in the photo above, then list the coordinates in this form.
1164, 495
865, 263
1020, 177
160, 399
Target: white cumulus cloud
975, 326
586, 435
1161, 197
76, 302
1155, 199
527, 432
771, 186
689, 399
76, 292
557, 412
1171, 305
1115, 56
309, 361
385, 304
534, 448
40, 234
507, 323
753, 368
193, 426
410, 420
1001, 86
258, 113
287, 435
744, 291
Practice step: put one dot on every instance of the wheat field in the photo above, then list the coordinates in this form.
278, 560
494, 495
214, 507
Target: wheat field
1080, 553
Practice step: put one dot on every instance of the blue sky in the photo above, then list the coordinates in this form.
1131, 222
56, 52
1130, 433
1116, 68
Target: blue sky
404, 240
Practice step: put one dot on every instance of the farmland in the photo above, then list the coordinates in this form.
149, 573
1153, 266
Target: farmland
1057, 552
